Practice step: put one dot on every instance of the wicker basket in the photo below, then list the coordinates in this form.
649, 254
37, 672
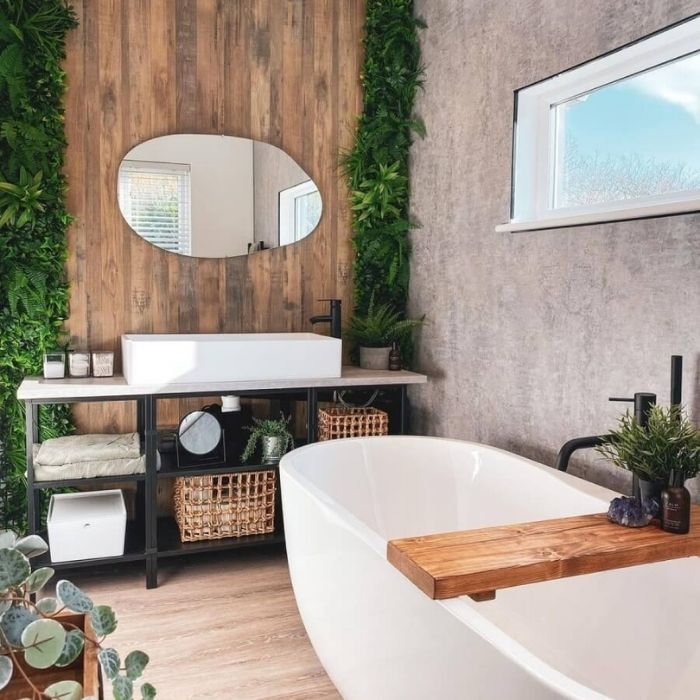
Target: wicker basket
334, 423
225, 505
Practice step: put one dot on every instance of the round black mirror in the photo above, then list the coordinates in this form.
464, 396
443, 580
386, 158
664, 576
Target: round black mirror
199, 433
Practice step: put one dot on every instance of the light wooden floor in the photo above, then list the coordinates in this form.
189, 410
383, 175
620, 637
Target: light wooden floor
220, 627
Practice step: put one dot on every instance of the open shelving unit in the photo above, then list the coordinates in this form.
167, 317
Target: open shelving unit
150, 536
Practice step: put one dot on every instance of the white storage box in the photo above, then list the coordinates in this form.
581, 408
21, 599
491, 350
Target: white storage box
86, 525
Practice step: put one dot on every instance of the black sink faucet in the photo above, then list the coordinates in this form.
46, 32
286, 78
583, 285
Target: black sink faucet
333, 317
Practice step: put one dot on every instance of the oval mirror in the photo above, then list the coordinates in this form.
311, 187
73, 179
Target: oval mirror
213, 196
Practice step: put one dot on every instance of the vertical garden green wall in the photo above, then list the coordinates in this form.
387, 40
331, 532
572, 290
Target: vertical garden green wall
33, 222
377, 166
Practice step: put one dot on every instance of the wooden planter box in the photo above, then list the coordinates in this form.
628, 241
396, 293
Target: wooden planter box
84, 670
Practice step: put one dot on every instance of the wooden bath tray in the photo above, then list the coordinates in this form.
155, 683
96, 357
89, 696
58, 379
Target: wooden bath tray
477, 563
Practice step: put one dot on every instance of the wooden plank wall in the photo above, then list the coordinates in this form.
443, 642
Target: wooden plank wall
281, 71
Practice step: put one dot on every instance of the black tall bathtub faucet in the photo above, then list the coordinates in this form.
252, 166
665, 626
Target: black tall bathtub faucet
643, 401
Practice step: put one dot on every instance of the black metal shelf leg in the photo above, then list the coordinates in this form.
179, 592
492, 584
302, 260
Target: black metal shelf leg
32, 437
403, 409
150, 424
312, 417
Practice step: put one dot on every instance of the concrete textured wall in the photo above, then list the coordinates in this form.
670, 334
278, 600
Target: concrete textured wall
529, 333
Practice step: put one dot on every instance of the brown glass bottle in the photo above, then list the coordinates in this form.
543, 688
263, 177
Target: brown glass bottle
675, 505
395, 357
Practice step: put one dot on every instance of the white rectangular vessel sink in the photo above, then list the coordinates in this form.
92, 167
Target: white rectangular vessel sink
229, 357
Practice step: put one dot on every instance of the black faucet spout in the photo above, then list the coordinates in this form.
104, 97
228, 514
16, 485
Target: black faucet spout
568, 448
334, 317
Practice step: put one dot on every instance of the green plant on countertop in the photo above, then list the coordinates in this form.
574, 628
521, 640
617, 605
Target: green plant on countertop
380, 327
669, 442
34, 633
376, 168
269, 427
33, 225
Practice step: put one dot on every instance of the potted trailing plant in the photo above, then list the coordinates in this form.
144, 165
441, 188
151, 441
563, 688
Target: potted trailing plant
669, 444
274, 436
375, 332
50, 648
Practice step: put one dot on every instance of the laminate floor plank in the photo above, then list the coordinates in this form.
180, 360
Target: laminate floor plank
218, 627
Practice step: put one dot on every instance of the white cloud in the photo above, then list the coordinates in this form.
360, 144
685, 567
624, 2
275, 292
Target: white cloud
677, 83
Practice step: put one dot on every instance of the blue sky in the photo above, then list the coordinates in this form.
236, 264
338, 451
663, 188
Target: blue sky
655, 114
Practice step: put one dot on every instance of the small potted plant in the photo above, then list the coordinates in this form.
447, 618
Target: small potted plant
375, 332
274, 436
49, 648
669, 443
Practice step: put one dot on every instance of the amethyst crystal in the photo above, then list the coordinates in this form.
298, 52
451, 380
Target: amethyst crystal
628, 512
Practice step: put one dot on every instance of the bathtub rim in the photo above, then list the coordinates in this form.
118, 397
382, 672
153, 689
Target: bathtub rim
461, 608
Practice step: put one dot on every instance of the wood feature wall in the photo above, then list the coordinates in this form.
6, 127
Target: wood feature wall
281, 71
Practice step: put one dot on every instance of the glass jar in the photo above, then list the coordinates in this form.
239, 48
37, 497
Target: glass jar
102, 364
79, 363
54, 364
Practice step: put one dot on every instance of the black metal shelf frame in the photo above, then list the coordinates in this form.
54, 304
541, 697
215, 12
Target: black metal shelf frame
151, 538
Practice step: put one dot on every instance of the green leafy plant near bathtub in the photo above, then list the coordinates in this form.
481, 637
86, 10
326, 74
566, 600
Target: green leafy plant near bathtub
670, 442
377, 166
33, 222
35, 636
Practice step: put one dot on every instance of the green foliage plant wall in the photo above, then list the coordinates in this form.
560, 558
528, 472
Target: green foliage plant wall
33, 223
377, 166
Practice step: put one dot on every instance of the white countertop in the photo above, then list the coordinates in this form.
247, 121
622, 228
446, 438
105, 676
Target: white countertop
40, 389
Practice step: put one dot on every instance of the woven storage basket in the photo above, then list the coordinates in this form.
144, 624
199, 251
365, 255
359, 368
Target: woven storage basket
334, 423
225, 505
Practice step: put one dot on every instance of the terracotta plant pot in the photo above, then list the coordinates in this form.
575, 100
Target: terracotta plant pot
374, 358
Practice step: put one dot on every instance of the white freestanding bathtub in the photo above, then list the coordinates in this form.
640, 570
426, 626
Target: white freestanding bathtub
627, 634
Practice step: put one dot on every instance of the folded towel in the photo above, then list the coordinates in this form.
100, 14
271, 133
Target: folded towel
74, 449
89, 470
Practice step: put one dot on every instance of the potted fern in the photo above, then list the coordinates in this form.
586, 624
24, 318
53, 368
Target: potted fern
274, 436
375, 331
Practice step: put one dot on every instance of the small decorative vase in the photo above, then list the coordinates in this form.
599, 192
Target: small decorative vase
272, 449
374, 358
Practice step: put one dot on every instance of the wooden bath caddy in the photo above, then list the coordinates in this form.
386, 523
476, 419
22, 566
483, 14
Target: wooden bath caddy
477, 563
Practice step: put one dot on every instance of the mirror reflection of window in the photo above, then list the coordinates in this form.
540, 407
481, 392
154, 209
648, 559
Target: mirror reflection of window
156, 201
300, 211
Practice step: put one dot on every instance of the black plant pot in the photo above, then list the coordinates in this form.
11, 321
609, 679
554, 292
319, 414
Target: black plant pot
650, 492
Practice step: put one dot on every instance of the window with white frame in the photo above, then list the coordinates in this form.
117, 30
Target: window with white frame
155, 199
615, 138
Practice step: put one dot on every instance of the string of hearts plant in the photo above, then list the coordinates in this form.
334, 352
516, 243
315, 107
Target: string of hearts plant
37, 635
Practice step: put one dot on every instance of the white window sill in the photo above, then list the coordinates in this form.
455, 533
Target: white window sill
601, 217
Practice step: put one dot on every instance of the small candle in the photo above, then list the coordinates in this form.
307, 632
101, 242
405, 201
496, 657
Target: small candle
54, 365
102, 364
79, 363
